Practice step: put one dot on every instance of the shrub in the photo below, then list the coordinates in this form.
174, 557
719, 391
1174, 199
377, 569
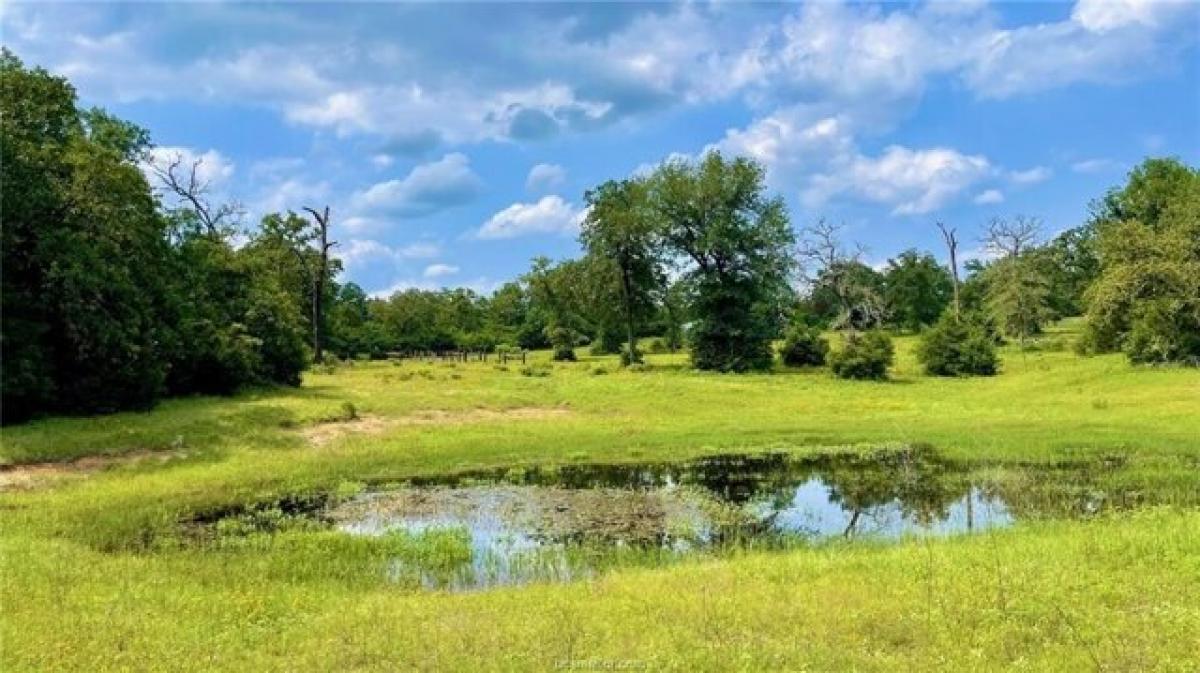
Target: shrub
865, 355
957, 348
563, 342
804, 346
535, 371
1160, 333
628, 359
657, 346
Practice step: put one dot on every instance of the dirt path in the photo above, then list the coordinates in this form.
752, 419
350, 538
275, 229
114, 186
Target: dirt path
324, 433
37, 475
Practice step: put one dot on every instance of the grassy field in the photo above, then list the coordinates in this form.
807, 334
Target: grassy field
96, 577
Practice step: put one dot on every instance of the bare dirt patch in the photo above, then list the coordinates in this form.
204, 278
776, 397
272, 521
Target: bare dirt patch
37, 475
323, 433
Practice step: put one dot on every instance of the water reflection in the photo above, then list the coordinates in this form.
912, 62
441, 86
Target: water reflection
546, 524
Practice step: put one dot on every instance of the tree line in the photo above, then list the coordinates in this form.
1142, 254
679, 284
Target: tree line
123, 285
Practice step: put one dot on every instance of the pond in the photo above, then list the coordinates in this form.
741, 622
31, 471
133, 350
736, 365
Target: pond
514, 526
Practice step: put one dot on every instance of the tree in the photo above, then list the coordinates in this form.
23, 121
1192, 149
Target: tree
917, 289
184, 181
1017, 290
843, 292
319, 272
735, 243
1071, 264
1146, 297
621, 227
85, 256
949, 235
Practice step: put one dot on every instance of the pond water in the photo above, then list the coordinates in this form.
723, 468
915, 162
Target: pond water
524, 525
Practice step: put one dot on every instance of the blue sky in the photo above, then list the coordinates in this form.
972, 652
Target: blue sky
454, 142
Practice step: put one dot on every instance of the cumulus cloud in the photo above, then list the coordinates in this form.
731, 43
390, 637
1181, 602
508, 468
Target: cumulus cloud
535, 73
819, 157
359, 253
989, 196
549, 215
1031, 176
545, 176
1102, 16
439, 270
289, 193
427, 189
913, 182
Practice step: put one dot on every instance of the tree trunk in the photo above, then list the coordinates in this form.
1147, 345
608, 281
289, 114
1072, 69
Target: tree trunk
630, 332
952, 244
319, 277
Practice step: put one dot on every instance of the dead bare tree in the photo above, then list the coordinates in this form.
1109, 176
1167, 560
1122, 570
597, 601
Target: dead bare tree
824, 261
1012, 236
184, 180
319, 274
951, 239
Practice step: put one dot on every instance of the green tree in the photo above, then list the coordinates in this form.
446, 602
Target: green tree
917, 289
622, 228
1146, 298
84, 255
738, 241
1017, 287
843, 293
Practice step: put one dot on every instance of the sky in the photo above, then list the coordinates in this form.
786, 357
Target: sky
454, 142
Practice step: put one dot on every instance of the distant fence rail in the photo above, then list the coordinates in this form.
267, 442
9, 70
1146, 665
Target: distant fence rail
460, 356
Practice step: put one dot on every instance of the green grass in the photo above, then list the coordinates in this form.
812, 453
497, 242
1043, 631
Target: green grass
95, 577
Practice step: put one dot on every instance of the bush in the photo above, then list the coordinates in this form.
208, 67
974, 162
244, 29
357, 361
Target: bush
657, 346
955, 347
563, 342
1160, 333
804, 346
865, 355
628, 359
535, 371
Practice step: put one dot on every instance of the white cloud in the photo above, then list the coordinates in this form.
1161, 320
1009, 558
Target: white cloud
428, 188
1094, 165
989, 196
556, 71
545, 176
549, 215
439, 270
292, 193
359, 254
1102, 16
419, 250
912, 181
789, 142
646, 168
1031, 176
